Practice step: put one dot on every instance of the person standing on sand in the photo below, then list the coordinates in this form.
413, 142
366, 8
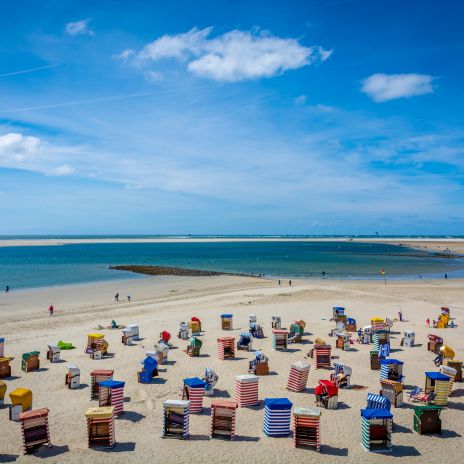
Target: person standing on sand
289, 283
427, 322
116, 297
7, 289
128, 298
50, 310
446, 276
279, 282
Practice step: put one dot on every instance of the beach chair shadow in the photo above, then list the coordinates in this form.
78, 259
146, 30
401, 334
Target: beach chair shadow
449, 434
333, 451
200, 437
245, 438
82, 386
401, 429
352, 348
395, 350
292, 350
41, 369
12, 377
458, 393
206, 411
204, 355
119, 447
342, 405
221, 394
170, 363
458, 406
131, 416
8, 457
403, 450
44, 452
158, 380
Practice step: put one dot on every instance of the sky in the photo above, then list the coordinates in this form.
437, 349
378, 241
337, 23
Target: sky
282, 117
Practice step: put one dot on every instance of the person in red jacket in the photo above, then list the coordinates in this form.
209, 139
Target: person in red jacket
50, 310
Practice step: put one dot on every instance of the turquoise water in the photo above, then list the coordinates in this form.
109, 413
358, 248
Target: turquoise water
39, 266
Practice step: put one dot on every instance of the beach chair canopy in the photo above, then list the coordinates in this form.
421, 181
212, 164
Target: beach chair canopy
194, 382
96, 335
435, 338
149, 363
194, 341
112, 384
21, 396
391, 361
296, 329
376, 414
165, 336
195, 319
436, 376
350, 320
278, 403
227, 315
328, 387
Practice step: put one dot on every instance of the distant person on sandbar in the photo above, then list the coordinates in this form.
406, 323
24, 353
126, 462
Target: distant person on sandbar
289, 283
446, 276
116, 297
50, 310
7, 289
279, 282
128, 298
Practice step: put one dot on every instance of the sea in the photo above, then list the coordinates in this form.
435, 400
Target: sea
44, 266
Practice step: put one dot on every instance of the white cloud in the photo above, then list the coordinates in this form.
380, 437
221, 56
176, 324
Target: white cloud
18, 151
62, 170
124, 55
385, 87
300, 100
153, 76
176, 46
79, 28
233, 56
17, 148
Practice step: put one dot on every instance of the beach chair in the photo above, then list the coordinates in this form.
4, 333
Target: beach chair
415, 393
2, 392
210, 378
427, 419
149, 370
259, 365
176, 419
34, 429
245, 342
183, 333
100, 427
223, 419
194, 347
296, 333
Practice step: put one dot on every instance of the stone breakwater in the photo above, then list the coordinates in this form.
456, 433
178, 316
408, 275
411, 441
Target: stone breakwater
172, 271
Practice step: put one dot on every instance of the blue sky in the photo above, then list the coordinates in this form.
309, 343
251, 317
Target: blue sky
304, 117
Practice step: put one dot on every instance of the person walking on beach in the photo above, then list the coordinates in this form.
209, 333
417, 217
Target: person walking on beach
289, 283
279, 282
116, 297
128, 298
7, 289
427, 322
446, 276
50, 310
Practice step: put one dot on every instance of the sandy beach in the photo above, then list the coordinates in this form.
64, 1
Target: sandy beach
161, 304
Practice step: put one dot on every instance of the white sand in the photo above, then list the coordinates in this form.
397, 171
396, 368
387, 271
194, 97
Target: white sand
161, 303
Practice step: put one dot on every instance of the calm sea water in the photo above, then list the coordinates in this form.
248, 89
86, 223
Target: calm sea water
39, 266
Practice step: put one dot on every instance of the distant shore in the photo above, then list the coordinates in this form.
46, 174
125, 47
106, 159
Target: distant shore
446, 246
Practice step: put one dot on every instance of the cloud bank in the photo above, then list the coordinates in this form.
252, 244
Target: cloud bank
232, 57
